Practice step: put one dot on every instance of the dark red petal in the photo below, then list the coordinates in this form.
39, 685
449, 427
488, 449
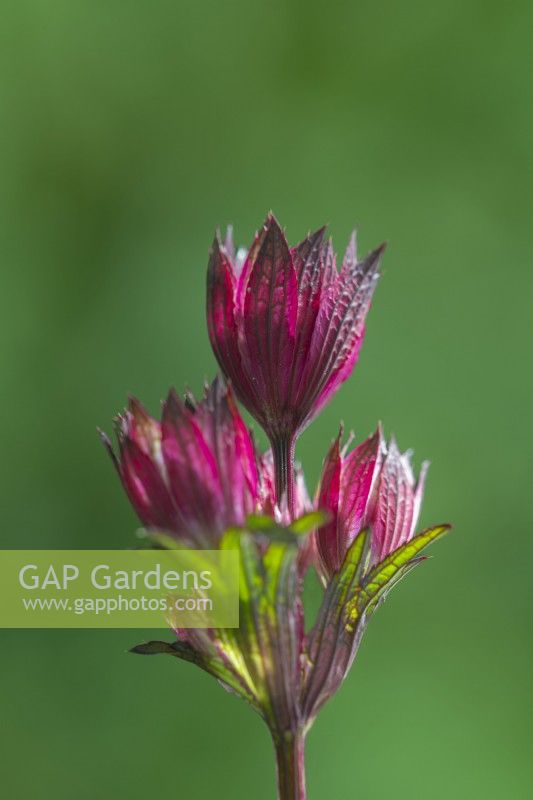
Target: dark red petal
339, 329
309, 263
146, 488
244, 448
350, 257
345, 490
330, 264
192, 471
270, 314
246, 269
307, 257
144, 429
395, 509
222, 324
328, 497
231, 444
359, 471
335, 380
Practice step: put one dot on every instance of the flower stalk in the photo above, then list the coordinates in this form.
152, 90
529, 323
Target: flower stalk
283, 454
290, 761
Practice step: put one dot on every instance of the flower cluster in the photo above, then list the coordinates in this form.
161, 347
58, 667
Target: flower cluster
286, 327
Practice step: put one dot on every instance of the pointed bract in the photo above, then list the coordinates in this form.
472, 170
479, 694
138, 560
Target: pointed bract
269, 313
346, 490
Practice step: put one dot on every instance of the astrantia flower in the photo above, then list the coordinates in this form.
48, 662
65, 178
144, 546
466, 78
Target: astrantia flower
366, 547
196, 472
286, 328
372, 487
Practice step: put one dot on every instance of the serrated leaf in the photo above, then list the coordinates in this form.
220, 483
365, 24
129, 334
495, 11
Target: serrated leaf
351, 596
400, 574
395, 566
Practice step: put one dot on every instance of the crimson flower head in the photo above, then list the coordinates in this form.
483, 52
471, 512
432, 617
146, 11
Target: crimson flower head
368, 545
196, 472
286, 327
371, 487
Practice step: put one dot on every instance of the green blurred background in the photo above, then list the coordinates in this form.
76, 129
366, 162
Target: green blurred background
129, 131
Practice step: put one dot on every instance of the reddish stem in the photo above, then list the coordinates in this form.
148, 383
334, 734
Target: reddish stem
290, 766
283, 452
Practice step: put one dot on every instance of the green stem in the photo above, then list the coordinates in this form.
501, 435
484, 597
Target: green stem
283, 452
290, 766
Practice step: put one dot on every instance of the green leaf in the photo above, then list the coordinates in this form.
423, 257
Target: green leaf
309, 522
154, 648
261, 659
350, 597
269, 528
163, 541
260, 522
388, 572
210, 661
269, 633
332, 640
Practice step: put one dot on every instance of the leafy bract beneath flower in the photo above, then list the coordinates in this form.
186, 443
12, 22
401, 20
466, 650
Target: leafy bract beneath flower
261, 659
351, 597
268, 660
